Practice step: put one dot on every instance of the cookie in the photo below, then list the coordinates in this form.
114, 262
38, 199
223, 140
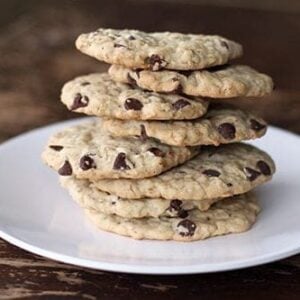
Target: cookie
159, 50
86, 151
87, 195
218, 126
217, 172
96, 94
217, 82
233, 215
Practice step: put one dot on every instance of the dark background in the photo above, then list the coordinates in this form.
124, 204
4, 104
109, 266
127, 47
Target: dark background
37, 55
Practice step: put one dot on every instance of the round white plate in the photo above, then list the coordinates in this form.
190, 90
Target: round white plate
36, 214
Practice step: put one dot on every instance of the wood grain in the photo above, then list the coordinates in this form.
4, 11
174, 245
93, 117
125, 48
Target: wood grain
38, 55
26, 275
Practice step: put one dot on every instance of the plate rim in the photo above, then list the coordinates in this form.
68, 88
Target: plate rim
135, 268
146, 269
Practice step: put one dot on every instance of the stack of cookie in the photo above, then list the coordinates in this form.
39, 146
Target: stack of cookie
160, 161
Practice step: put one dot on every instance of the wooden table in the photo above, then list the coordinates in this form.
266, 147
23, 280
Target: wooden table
37, 56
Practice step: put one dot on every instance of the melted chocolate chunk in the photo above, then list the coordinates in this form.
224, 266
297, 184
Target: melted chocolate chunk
255, 125
65, 169
181, 103
183, 214
211, 173
156, 62
120, 162
133, 104
263, 167
156, 152
143, 135
176, 204
56, 147
227, 130
251, 173
186, 228
86, 163
85, 83
79, 101
131, 38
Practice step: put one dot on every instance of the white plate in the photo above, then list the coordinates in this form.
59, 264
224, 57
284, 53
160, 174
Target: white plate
36, 214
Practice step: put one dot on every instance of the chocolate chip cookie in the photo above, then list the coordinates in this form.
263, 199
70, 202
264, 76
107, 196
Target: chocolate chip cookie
87, 195
218, 126
232, 215
98, 95
225, 81
85, 151
158, 50
216, 172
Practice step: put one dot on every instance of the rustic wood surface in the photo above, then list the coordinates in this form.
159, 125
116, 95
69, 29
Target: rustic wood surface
37, 56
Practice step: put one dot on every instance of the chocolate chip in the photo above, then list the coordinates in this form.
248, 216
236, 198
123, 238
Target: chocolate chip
66, 169
56, 147
156, 152
119, 46
85, 83
217, 68
186, 228
182, 214
227, 130
224, 44
86, 163
133, 104
79, 101
263, 167
120, 162
229, 184
130, 79
181, 103
156, 62
211, 173
251, 173
131, 38
255, 125
175, 205
143, 135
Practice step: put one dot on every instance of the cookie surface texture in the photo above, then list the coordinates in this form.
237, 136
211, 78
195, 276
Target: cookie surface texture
216, 172
85, 151
217, 82
158, 50
97, 95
